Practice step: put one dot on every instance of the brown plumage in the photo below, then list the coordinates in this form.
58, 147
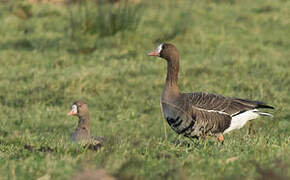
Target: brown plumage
82, 132
199, 114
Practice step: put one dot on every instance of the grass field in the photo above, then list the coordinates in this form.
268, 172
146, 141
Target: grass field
52, 55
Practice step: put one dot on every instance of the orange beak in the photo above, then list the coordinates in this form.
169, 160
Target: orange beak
71, 113
153, 53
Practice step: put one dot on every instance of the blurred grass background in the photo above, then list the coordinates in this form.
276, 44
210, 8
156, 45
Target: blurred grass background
52, 54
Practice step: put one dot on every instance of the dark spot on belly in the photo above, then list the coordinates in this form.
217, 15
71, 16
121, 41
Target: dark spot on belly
172, 120
187, 128
177, 124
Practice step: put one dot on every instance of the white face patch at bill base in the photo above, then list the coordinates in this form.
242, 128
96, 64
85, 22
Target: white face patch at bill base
159, 48
74, 108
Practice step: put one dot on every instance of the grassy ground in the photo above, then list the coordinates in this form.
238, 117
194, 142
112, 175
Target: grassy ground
51, 56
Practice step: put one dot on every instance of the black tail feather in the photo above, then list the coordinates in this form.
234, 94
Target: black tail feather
257, 104
265, 106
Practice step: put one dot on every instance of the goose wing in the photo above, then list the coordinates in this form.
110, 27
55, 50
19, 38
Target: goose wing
196, 114
213, 102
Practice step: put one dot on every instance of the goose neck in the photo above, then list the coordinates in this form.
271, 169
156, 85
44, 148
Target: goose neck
84, 121
171, 84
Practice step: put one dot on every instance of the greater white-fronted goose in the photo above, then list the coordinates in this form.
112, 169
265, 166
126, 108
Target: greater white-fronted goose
200, 113
82, 132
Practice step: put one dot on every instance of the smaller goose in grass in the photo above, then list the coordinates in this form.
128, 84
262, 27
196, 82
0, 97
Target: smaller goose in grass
82, 132
200, 113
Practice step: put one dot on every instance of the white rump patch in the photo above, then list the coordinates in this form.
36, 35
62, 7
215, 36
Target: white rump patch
240, 120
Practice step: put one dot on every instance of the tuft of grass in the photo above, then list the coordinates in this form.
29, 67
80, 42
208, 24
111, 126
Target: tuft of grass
103, 18
90, 21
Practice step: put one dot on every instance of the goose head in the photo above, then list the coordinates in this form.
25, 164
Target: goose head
79, 108
166, 51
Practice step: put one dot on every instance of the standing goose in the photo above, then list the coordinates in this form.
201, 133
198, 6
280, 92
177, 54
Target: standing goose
200, 113
82, 132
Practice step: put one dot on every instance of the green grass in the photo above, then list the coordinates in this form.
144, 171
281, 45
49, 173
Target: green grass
236, 48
